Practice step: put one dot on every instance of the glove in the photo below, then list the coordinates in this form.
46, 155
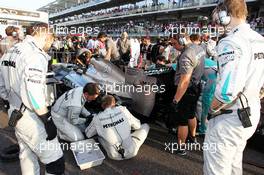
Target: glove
4, 105
50, 127
89, 120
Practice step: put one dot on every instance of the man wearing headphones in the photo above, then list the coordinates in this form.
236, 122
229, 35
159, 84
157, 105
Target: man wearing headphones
23, 83
114, 126
12, 37
235, 108
69, 113
187, 79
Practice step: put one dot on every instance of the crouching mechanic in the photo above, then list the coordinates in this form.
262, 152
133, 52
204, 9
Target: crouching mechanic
113, 126
69, 114
23, 78
236, 103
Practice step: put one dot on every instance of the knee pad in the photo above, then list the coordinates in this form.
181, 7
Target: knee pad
57, 167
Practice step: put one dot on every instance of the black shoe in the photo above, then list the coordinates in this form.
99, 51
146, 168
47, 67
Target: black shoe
181, 152
192, 140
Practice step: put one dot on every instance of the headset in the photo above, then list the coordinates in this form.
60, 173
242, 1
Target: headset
14, 34
222, 17
182, 40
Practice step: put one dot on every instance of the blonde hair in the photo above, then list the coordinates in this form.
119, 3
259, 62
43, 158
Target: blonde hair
107, 101
236, 8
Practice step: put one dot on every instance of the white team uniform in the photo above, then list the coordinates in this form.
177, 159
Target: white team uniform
114, 129
23, 80
66, 115
241, 69
135, 53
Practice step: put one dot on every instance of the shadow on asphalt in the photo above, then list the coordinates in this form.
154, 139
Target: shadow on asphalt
152, 159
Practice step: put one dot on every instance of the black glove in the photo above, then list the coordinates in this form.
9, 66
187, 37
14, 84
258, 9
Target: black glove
49, 126
4, 105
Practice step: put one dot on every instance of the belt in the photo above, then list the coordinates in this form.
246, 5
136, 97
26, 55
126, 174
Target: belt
222, 111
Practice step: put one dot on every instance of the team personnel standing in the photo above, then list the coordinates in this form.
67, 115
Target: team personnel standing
187, 79
69, 113
124, 47
23, 78
236, 104
135, 52
112, 53
113, 126
13, 36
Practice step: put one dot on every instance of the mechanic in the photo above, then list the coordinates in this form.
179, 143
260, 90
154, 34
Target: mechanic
13, 36
160, 63
23, 78
113, 126
235, 108
83, 57
112, 53
209, 77
187, 79
69, 114
135, 52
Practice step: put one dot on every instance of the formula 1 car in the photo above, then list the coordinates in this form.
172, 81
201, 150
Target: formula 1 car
147, 93
136, 88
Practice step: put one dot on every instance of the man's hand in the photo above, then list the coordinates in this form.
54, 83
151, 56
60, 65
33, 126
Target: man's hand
182, 86
4, 105
50, 127
174, 106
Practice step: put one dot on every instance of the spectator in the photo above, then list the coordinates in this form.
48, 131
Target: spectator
91, 44
124, 46
146, 48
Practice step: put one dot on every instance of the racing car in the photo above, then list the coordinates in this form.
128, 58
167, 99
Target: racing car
125, 86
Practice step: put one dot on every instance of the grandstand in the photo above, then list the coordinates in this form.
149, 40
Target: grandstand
135, 16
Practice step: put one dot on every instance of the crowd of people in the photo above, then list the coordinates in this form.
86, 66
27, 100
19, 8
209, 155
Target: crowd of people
132, 9
139, 52
226, 73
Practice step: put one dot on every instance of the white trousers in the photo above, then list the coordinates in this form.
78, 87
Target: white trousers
31, 136
66, 130
225, 142
131, 146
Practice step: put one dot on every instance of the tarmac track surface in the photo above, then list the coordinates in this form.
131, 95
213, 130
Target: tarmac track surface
152, 159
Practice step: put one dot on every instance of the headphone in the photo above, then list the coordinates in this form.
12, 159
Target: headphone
14, 34
182, 40
222, 17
